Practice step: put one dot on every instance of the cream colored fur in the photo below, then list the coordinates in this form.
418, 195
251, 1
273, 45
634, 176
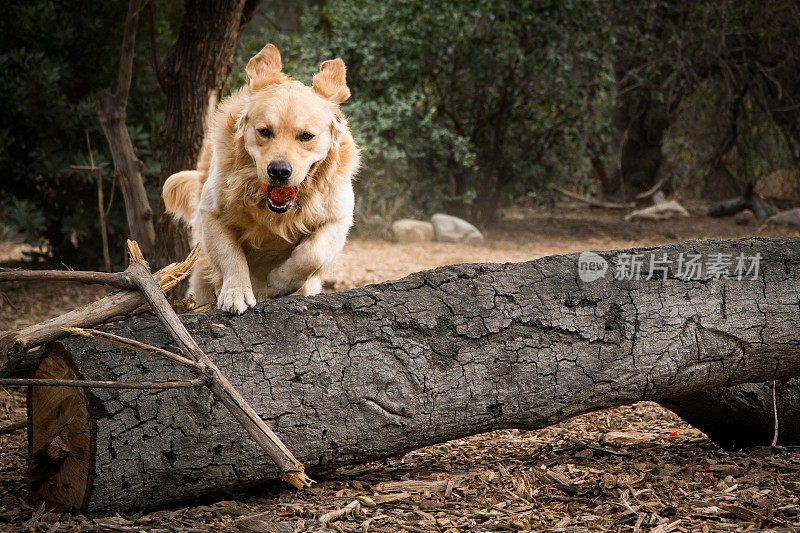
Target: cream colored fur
247, 252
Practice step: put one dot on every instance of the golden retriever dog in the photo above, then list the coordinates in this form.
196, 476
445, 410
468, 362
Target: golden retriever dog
272, 200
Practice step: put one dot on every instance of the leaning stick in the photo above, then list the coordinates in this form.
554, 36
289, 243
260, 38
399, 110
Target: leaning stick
117, 304
44, 382
293, 470
152, 292
137, 345
198, 368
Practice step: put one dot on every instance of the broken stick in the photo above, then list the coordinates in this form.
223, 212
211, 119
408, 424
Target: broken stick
123, 303
293, 470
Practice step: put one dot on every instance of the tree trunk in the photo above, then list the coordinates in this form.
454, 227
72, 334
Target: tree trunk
193, 76
640, 125
112, 112
373, 372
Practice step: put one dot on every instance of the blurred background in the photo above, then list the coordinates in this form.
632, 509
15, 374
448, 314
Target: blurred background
474, 108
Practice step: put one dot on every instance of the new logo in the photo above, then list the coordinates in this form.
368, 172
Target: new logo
591, 266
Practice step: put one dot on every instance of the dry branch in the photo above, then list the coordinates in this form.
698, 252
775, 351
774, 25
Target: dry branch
101, 208
136, 345
649, 193
373, 372
292, 470
15, 344
118, 280
330, 516
111, 111
592, 201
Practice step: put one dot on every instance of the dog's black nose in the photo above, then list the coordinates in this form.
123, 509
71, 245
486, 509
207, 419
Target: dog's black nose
279, 170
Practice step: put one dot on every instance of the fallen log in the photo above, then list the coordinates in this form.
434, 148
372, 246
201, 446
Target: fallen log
760, 208
360, 375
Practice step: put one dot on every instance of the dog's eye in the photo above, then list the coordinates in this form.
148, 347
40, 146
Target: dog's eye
306, 136
265, 132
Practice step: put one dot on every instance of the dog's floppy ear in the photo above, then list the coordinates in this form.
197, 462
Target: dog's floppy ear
330, 82
264, 68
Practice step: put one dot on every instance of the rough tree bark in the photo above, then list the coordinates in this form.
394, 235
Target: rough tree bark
193, 76
112, 112
355, 376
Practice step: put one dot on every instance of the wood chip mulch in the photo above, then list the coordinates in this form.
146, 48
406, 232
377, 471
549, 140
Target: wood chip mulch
637, 468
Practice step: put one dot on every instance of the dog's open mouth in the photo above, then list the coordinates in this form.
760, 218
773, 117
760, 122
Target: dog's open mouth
280, 199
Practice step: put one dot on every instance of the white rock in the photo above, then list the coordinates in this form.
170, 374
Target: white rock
453, 229
410, 230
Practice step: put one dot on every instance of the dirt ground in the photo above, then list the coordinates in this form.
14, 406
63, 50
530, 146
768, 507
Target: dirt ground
634, 468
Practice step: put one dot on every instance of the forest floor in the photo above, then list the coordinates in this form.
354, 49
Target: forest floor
633, 468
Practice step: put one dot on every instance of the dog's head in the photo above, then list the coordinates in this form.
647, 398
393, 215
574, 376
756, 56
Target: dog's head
288, 127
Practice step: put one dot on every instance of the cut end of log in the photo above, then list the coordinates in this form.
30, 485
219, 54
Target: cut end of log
298, 480
60, 436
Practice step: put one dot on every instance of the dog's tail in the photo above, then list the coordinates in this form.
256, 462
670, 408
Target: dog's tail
181, 191
182, 194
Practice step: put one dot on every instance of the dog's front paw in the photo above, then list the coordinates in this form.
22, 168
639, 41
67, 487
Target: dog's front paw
235, 300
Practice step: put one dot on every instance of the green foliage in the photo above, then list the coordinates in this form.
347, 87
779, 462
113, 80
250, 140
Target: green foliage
21, 217
56, 55
460, 105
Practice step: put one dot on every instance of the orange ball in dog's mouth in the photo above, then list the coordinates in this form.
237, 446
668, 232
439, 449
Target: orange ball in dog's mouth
279, 199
